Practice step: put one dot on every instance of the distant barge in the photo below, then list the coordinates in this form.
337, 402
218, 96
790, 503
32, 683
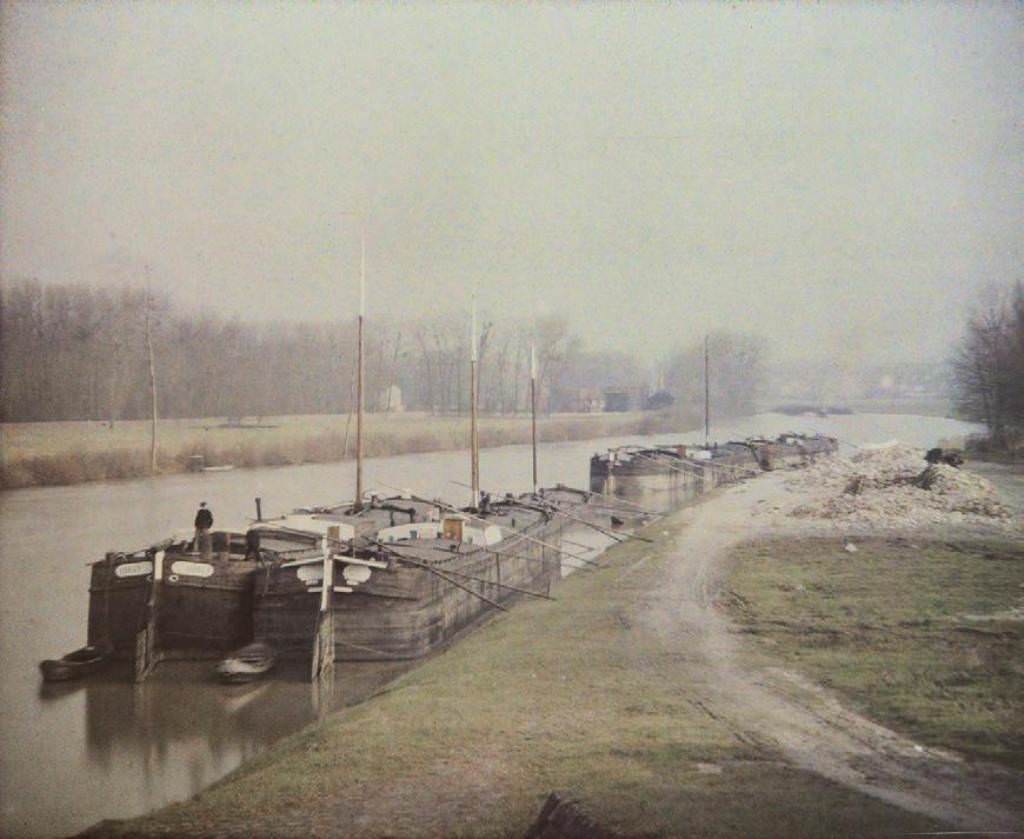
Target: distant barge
664, 477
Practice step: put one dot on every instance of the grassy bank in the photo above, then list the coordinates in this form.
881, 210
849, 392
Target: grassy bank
51, 453
571, 695
918, 635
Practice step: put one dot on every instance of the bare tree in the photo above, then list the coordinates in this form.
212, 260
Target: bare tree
988, 366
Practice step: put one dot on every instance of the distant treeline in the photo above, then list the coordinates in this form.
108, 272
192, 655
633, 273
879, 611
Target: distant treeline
73, 352
78, 352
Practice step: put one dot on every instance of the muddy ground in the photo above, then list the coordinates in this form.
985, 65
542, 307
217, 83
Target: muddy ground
811, 726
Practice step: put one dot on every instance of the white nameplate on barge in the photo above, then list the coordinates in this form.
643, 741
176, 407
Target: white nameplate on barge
134, 569
191, 569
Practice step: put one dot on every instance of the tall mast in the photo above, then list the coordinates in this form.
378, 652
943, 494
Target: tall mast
474, 439
359, 362
533, 410
707, 396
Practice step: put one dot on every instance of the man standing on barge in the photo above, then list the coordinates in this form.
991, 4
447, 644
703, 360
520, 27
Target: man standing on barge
204, 521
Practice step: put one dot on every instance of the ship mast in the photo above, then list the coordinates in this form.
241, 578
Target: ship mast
359, 362
707, 396
533, 411
474, 438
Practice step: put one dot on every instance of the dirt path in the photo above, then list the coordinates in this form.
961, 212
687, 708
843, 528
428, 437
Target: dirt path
773, 708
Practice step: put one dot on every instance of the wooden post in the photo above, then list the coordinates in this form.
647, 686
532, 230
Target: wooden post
474, 439
108, 636
115, 362
259, 509
146, 654
323, 641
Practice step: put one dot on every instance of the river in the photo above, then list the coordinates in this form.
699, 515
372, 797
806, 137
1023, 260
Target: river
73, 755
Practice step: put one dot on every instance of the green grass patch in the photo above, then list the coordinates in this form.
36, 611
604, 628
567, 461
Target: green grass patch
920, 636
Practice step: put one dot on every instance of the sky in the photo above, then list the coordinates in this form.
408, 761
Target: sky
841, 179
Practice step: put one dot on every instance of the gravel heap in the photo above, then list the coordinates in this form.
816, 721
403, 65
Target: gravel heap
892, 484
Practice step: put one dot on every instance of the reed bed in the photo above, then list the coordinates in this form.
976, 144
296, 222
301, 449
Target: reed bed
62, 453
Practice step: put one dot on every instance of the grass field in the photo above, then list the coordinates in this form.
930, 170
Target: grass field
49, 453
575, 695
921, 636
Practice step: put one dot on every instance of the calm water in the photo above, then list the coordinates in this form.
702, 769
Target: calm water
74, 755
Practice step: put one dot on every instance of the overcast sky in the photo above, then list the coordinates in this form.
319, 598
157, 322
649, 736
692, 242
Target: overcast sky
837, 177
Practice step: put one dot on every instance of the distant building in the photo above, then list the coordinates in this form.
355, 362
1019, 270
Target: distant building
659, 400
575, 400
632, 398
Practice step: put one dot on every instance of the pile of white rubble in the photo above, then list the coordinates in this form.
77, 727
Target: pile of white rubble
882, 485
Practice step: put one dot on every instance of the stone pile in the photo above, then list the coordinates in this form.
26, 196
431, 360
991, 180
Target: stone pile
892, 484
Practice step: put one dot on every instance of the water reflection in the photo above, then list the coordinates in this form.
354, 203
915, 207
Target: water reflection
178, 732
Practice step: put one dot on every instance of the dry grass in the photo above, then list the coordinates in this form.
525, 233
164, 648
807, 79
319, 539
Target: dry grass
37, 454
918, 635
566, 695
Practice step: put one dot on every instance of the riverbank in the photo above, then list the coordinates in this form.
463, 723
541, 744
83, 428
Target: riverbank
65, 453
633, 692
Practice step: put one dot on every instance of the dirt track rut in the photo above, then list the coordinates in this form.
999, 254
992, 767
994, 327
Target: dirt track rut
777, 709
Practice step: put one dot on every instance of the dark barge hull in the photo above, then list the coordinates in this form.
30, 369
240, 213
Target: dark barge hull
205, 606
405, 612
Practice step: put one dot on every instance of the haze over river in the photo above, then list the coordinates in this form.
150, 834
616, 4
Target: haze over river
77, 754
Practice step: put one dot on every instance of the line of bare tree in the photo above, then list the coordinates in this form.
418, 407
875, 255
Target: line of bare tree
77, 352
988, 366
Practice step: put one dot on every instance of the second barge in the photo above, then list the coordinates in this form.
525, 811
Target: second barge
663, 478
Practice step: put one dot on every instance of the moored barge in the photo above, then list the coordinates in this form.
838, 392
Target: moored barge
191, 606
665, 477
415, 585
195, 606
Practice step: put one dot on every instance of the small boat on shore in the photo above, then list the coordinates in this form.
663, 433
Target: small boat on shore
76, 665
251, 662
